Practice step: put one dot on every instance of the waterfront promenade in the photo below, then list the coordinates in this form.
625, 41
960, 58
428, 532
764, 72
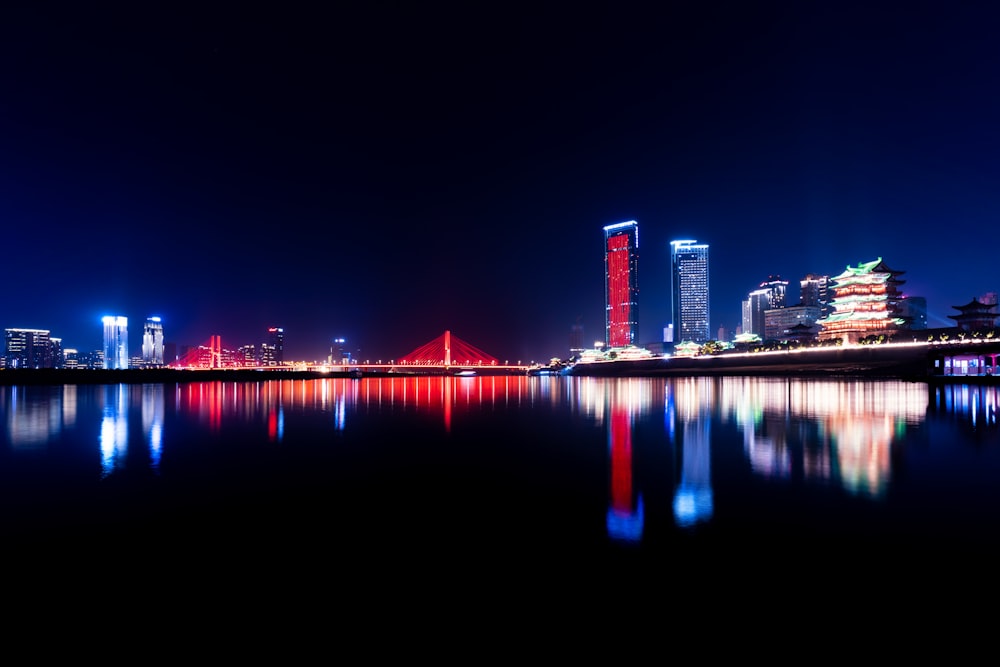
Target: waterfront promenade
960, 360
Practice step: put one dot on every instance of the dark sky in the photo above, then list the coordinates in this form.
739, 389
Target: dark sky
387, 172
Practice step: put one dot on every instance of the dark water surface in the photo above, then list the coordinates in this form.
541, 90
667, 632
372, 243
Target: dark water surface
499, 486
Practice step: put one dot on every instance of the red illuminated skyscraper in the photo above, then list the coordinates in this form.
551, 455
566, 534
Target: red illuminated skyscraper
621, 283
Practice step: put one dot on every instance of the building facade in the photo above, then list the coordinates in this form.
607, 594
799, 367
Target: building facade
865, 303
796, 323
272, 350
621, 284
152, 342
115, 342
28, 348
754, 307
689, 291
815, 291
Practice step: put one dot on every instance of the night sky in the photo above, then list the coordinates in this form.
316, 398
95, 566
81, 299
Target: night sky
386, 172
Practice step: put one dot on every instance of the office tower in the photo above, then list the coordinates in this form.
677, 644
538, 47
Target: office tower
689, 290
621, 283
777, 290
338, 352
152, 342
28, 348
756, 303
815, 291
769, 295
272, 351
115, 342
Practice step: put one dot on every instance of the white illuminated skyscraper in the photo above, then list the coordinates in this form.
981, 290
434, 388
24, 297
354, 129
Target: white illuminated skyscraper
115, 342
152, 342
689, 289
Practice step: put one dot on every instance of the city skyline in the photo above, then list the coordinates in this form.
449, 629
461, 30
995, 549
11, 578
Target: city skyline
384, 176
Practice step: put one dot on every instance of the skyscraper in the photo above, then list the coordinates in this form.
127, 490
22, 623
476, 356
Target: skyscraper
115, 342
272, 352
815, 291
152, 342
621, 283
689, 291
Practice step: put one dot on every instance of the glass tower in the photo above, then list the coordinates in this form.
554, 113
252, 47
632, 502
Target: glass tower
115, 342
621, 283
689, 291
152, 342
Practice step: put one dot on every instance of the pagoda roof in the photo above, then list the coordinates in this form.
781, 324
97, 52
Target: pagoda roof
976, 306
864, 268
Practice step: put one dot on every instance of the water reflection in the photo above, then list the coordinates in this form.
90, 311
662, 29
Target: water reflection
841, 431
693, 499
34, 416
114, 428
840, 434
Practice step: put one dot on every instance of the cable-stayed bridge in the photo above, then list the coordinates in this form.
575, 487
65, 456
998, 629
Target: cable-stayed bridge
445, 353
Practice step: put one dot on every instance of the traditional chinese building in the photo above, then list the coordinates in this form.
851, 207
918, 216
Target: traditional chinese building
865, 303
975, 316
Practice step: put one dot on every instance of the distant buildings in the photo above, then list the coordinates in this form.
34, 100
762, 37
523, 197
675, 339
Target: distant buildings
29, 348
621, 283
913, 309
272, 350
689, 291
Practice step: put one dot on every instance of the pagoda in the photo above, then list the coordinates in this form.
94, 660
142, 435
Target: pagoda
865, 303
975, 316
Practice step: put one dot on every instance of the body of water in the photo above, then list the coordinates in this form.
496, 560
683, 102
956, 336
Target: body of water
463, 482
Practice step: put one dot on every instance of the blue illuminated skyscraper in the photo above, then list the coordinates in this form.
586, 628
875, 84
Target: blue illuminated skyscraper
621, 283
689, 291
115, 342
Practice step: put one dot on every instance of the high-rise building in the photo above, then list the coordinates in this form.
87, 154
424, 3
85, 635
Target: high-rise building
28, 348
815, 291
756, 303
152, 342
115, 342
689, 291
272, 351
777, 289
770, 295
338, 351
621, 283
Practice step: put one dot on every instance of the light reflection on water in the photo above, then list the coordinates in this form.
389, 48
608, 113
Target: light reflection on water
822, 433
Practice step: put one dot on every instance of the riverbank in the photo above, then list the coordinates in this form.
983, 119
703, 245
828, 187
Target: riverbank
60, 376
